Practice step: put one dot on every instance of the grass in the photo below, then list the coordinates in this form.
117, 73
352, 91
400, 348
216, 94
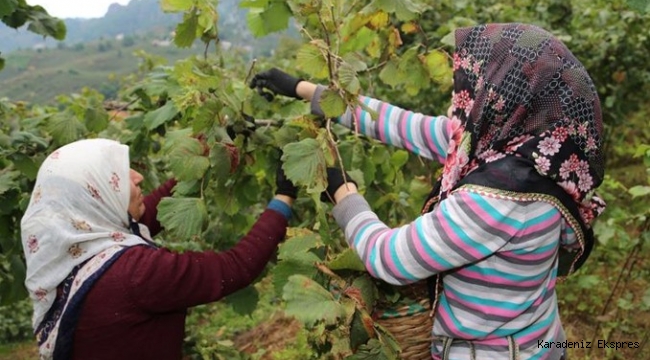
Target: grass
19, 351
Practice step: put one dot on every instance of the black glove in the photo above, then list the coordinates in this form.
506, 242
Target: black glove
284, 186
277, 81
334, 182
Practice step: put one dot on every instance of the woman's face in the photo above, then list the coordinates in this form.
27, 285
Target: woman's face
136, 204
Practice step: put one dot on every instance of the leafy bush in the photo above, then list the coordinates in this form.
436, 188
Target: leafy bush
16, 322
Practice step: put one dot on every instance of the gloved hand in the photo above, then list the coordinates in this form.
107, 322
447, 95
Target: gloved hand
284, 186
277, 81
334, 181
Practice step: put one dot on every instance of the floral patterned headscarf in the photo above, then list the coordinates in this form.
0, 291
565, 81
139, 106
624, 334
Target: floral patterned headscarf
518, 91
77, 219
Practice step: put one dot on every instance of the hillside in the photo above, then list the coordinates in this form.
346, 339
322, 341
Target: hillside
97, 53
39, 76
139, 17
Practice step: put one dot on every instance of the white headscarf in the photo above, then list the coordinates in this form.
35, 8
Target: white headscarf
78, 209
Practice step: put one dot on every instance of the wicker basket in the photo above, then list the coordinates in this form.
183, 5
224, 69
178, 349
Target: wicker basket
410, 324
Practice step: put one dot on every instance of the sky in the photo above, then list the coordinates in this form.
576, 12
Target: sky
76, 8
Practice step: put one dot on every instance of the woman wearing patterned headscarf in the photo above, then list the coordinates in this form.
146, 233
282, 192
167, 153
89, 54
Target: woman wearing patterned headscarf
513, 209
100, 287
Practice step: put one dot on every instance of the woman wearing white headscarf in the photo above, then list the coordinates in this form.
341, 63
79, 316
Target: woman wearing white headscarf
101, 289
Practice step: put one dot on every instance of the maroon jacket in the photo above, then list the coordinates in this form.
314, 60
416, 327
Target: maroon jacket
136, 309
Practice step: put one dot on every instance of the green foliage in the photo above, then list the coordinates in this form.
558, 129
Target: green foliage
199, 20
16, 13
639, 5
305, 164
347, 260
310, 302
184, 218
15, 322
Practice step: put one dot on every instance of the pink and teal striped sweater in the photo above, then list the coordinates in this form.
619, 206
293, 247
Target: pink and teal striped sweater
502, 253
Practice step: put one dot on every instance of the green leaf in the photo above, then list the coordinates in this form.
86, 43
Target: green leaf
96, 119
368, 289
160, 116
642, 6
413, 74
65, 128
28, 139
176, 5
186, 31
17, 18
185, 218
449, 39
256, 23
349, 79
309, 302
186, 158
390, 74
359, 40
8, 242
2, 63
310, 59
285, 135
220, 159
7, 7
296, 258
253, 3
15, 290
264, 17
8, 181
604, 231
244, 301
298, 245
347, 260
225, 200
372, 350
207, 20
332, 104
399, 158
437, 66
185, 188
639, 190
355, 61
27, 166
390, 346
304, 164
299, 263
405, 10
43, 24
276, 16
358, 333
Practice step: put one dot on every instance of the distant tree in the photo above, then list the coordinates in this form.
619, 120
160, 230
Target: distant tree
104, 46
128, 41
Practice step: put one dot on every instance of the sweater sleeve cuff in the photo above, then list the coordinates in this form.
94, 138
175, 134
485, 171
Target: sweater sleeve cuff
351, 206
281, 207
315, 101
